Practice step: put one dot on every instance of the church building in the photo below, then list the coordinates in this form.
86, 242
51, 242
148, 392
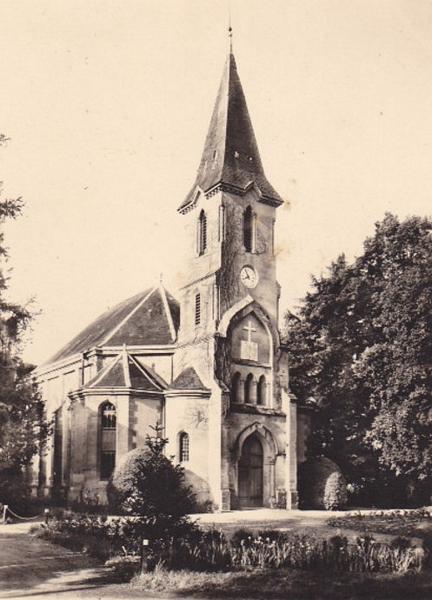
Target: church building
207, 367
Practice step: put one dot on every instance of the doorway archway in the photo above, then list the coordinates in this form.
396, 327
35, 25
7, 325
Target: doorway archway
251, 473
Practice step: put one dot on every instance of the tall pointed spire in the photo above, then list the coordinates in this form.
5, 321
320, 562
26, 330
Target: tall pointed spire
231, 159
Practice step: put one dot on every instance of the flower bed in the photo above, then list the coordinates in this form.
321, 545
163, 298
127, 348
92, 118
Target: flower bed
185, 546
408, 523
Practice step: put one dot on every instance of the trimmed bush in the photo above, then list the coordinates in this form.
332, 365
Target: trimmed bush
147, 483
335, 491
322, 485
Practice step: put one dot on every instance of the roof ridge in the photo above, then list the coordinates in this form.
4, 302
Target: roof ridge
168, 312
144, 372
125, 363
125, 319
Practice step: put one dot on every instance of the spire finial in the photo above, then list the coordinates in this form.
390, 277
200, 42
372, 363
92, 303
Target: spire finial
230, 34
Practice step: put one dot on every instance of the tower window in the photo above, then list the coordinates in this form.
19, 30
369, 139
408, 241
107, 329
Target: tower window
261, 390
107, 439
248, 389
197, 309
249, 230
235, 388
202, 233
184, 447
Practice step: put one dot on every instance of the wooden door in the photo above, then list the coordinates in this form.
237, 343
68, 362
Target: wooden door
250, 473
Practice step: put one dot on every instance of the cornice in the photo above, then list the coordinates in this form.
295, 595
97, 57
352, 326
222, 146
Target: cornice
187, 393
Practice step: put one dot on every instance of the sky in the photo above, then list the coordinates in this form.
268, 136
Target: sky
107, 103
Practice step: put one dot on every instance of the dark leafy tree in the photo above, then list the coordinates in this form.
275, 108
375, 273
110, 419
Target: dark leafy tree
361, 347
22, 424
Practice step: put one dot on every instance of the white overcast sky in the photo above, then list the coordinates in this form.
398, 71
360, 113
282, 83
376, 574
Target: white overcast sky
107, 104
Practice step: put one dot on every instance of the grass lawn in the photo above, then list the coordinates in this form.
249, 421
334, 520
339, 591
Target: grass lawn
319, 529
283, 584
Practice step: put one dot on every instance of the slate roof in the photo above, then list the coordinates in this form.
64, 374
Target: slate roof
231, 154
149, 318
188, 380
125, 371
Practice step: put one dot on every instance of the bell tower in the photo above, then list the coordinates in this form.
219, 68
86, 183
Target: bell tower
229, 314
229, 215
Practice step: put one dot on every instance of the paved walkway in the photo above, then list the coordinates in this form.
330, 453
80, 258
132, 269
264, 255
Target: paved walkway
268, 515
32, 568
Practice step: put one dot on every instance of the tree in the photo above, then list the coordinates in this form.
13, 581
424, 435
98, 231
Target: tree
362, 348
22, 424
148, 483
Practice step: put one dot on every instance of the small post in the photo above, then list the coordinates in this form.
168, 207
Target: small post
5, 508
144, 562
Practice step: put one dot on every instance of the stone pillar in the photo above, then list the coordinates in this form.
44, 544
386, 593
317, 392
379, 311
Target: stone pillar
225, 465
272, 490
290, 410
91, 466
123, 444
78, 448
65, 443
293, 456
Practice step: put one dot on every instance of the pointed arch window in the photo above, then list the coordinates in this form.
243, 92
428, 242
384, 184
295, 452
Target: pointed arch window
202, 233
184, 447
235, 388
248, 389
261, 390
107, 437
108, 414
249, 230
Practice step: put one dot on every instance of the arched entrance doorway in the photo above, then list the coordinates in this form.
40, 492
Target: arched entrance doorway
250, 473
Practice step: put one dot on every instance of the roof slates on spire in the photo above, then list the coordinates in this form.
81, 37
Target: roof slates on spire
231, 156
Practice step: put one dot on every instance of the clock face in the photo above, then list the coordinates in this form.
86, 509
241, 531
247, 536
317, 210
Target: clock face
249, 277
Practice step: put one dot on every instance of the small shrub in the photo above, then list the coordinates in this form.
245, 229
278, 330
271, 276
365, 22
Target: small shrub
400, 542
321, 482
272, 535
84, 533
241, 535
146, 482
335, 492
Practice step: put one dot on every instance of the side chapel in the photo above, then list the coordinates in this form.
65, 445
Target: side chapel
208, 367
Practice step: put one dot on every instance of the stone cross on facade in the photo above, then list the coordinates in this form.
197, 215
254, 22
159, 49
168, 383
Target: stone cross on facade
249, 329
249, 349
